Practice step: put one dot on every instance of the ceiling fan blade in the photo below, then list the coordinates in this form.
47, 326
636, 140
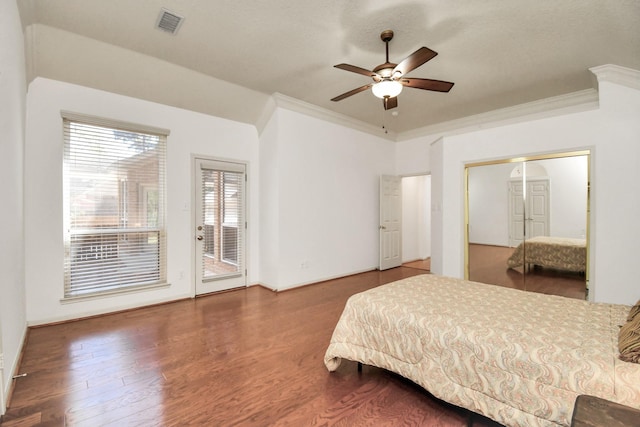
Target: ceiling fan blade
352, 92
390, 103
427, 84
354, 69
414, 60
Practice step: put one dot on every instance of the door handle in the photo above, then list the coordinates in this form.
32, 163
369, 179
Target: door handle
382, 227
200, 237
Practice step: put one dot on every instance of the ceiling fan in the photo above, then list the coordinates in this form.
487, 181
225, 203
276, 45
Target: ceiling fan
388, 78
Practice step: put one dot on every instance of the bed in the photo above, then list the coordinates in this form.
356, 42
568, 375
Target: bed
517, 357
560, 253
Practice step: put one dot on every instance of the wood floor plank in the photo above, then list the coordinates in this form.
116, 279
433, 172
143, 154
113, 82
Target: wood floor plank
250, 357
28, 421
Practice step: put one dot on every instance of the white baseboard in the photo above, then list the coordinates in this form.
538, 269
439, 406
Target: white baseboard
322, 279
115, 309
265, 285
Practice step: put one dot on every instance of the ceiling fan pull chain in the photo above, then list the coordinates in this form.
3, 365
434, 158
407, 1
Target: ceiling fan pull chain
384, 113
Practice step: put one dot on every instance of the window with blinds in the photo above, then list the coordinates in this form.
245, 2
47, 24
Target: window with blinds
114, 185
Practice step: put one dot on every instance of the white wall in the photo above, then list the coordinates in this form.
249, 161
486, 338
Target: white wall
191, 133
326, 198
313, 195
612, 133
416, 217
568, 180
413, 157
489, 204
12, 119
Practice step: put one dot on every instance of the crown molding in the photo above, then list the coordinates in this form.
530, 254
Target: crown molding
574, 102
292, 104
617, 74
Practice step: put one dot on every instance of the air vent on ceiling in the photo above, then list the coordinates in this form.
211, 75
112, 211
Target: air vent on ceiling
169, 21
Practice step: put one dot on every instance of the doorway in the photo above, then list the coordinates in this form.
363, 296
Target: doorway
416, 221
220, 225
405, 221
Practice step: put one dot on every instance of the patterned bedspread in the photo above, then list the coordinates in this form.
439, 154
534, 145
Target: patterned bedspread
518, 357
561, 253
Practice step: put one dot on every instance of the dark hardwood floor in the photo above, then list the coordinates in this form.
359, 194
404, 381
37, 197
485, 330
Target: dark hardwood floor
421, 264
249, 357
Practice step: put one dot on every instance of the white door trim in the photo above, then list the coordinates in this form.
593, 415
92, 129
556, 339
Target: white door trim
224, 282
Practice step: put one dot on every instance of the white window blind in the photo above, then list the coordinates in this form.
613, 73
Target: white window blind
114, 185
223, 216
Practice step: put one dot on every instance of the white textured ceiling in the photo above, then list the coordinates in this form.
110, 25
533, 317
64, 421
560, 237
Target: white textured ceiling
231, 55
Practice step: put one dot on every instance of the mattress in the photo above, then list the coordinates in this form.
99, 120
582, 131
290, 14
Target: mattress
517, 357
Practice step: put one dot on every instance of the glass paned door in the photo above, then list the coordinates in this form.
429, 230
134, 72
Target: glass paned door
220, 225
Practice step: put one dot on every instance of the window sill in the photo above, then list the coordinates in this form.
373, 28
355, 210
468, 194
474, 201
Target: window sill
106, 294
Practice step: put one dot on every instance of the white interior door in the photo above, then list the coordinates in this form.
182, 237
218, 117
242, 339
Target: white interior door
220, 225
537, 208
528, 212
390, 222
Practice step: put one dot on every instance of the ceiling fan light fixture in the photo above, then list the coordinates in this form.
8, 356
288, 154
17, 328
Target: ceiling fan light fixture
387, 88
389, 78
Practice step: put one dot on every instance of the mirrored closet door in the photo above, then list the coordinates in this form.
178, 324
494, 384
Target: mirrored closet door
527, 223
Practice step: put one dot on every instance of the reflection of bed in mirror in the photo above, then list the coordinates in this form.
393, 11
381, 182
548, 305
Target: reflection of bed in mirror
560, 253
